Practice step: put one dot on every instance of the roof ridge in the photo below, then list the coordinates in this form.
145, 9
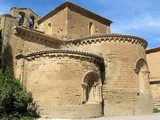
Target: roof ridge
25, 8
81, 10
129, 38
107, 34
153, 48
60, 51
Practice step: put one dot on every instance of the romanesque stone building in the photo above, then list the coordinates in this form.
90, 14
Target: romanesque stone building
153, 56
74, 66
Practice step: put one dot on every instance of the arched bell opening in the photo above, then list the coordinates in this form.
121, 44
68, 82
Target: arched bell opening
31, 21
21, 17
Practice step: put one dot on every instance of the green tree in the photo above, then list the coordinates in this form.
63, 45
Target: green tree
13, 99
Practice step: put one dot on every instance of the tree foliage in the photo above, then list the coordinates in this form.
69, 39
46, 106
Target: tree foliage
14, 100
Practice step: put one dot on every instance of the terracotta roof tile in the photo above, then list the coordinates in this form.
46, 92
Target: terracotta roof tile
152, 50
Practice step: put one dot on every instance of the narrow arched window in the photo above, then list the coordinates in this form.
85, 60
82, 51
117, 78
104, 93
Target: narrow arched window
91, 28
21, 16
143, 75
31, 22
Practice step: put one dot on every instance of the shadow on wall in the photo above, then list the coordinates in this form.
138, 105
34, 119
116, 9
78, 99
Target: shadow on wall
40, 41
8, 58
102, 69
103, 74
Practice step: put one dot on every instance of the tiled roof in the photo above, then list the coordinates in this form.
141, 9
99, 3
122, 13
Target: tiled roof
152, 50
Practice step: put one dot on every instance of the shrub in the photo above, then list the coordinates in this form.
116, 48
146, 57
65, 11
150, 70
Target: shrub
14, 100
156, 110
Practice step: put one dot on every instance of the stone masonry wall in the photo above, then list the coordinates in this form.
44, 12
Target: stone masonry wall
25, 41
154, 64
155, 90
28, 13
55, 80
67, 78
80, 25
68, 24
7, 23
154, 68
121, 89
55, 26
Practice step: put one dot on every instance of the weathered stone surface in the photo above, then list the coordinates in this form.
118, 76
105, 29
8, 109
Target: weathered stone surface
71, 21
58, 78
25, 17
74, 66
153, 56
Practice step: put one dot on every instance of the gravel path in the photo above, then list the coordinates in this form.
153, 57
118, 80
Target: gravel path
142, 117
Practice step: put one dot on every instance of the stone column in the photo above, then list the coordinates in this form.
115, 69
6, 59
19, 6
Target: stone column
145, 92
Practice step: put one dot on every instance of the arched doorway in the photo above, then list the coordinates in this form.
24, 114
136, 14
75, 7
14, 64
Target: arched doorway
91, 86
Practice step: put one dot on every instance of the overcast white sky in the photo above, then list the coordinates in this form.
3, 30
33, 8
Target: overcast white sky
134, 17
